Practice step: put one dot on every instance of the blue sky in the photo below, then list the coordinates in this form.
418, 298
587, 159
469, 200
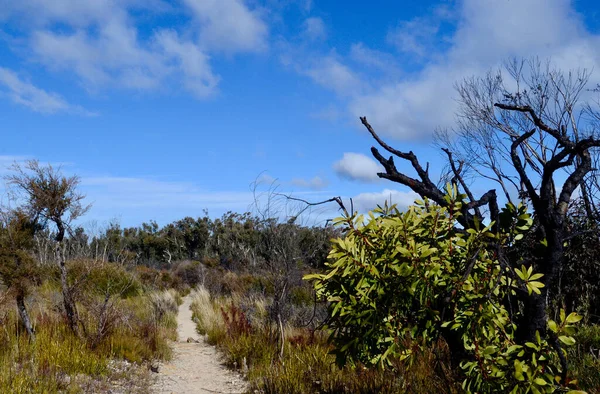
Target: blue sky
166, 108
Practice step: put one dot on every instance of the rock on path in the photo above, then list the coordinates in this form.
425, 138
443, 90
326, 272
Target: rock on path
195, 367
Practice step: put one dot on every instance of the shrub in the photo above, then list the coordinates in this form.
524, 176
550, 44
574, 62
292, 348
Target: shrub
417, 275
100, 278
190, 273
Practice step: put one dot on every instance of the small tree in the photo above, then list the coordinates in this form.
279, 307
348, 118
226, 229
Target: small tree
17, 267
48, 197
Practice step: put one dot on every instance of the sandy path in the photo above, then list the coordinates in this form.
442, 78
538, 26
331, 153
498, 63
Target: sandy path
195, 367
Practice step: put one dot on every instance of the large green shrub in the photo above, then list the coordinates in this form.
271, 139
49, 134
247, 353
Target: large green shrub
397, 282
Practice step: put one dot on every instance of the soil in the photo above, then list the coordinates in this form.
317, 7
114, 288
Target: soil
196, 365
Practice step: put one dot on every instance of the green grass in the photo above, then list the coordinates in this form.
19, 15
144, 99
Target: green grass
584, 359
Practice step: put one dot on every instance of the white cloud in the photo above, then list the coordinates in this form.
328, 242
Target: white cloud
419, 36
115, 56
332, 74
198, 77
315, 183
41, 12
314, 29
414, 37
368, 201
229, 25
356, 166
121, 193
100, 41
372, 58
25, 93
487, 33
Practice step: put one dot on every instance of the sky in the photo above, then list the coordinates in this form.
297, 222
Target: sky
167, 108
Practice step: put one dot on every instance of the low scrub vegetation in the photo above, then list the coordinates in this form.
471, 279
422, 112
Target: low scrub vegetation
238, 324
395, 312
118, 332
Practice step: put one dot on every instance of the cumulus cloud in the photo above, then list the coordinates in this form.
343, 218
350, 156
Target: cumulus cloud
488, 32
26, 94
315, 183
229, 25
356, 166
369, 201
447, 46
101, 43
116, 56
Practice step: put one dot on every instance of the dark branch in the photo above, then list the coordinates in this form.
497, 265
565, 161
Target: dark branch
425, 187
458, 177
521, 170
539, 123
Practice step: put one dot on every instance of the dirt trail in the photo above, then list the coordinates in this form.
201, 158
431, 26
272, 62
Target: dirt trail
195, 367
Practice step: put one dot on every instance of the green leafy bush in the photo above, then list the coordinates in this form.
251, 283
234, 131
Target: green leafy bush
400, 281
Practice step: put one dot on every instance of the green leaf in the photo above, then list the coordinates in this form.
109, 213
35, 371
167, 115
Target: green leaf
535, 276
569, 341
573, 318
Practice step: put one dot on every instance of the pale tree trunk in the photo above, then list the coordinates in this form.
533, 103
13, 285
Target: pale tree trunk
24, 315
68, 302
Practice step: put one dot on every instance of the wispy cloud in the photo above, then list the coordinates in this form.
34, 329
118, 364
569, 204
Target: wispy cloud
333, 74
130, 192
39, 100
315, 183
421, 36
26, 94
314, 29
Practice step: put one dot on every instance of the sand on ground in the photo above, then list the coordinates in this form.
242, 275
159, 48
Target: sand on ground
195, 367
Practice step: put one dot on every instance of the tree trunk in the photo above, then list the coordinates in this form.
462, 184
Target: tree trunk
68, 302
535, 317
24, 315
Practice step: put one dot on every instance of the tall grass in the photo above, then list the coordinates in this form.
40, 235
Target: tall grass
249, 343
59, 361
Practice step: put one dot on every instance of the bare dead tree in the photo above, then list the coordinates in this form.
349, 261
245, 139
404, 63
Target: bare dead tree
522, 129
279, 248
50, 197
